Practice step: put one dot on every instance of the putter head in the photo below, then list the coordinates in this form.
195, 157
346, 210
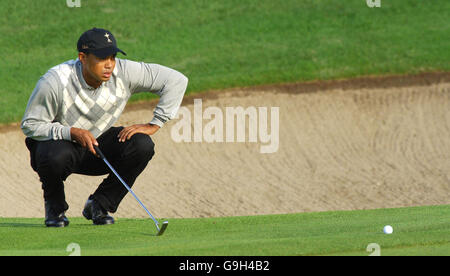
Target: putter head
163, 228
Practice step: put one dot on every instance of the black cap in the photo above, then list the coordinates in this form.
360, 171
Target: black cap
99, 42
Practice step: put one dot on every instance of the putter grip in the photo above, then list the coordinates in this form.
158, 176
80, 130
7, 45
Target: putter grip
99, 152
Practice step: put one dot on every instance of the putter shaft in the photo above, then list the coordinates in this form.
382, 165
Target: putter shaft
102, 156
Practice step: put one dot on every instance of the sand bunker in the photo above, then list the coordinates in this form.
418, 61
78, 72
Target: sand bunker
340, 148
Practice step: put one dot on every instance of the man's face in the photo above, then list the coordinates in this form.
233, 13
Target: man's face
97, 70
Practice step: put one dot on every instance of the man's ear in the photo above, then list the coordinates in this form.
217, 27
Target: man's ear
82, 57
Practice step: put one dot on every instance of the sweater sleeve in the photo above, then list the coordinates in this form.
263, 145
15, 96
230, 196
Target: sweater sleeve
38, 121
170, 85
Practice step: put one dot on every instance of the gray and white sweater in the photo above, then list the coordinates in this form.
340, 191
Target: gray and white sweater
62, 99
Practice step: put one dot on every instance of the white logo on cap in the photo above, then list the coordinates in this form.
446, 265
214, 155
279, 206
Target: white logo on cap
107, 36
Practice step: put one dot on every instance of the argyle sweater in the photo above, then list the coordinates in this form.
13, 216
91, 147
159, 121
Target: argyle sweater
62, 99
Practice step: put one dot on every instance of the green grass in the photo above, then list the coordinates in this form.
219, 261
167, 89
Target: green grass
417, 231
221, 44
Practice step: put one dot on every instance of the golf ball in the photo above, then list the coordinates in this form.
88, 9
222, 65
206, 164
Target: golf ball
388, 229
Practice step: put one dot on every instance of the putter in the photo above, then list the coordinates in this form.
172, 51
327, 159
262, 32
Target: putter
164, 224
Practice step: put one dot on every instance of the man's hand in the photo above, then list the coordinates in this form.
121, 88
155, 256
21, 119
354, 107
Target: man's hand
128, 132
84, 138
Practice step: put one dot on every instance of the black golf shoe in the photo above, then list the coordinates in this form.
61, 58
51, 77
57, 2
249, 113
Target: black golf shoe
95, 212
54, 219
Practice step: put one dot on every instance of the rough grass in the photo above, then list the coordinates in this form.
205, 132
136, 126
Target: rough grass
222, 44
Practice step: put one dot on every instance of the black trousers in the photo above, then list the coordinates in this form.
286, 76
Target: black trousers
54, 161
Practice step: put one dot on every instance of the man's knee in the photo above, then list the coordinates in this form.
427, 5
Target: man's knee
143, 145
53, 158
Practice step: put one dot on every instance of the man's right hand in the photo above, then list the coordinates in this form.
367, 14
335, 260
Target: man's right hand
84, 138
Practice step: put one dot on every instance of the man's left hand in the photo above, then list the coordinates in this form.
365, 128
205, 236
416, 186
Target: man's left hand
128, 132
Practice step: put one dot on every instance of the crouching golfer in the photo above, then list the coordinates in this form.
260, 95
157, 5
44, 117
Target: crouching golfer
74, 106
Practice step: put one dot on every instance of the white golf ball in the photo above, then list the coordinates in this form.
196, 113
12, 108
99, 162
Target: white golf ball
388, 229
